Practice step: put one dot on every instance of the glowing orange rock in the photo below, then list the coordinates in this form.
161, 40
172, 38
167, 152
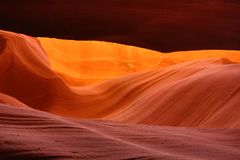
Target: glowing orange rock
130, 84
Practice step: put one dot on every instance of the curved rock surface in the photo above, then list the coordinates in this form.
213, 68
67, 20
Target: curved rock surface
107, 96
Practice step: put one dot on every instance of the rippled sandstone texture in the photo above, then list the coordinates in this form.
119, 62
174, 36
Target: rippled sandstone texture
114, 100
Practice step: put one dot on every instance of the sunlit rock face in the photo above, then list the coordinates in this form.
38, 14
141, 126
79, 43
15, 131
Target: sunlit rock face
88, 62
71, 99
